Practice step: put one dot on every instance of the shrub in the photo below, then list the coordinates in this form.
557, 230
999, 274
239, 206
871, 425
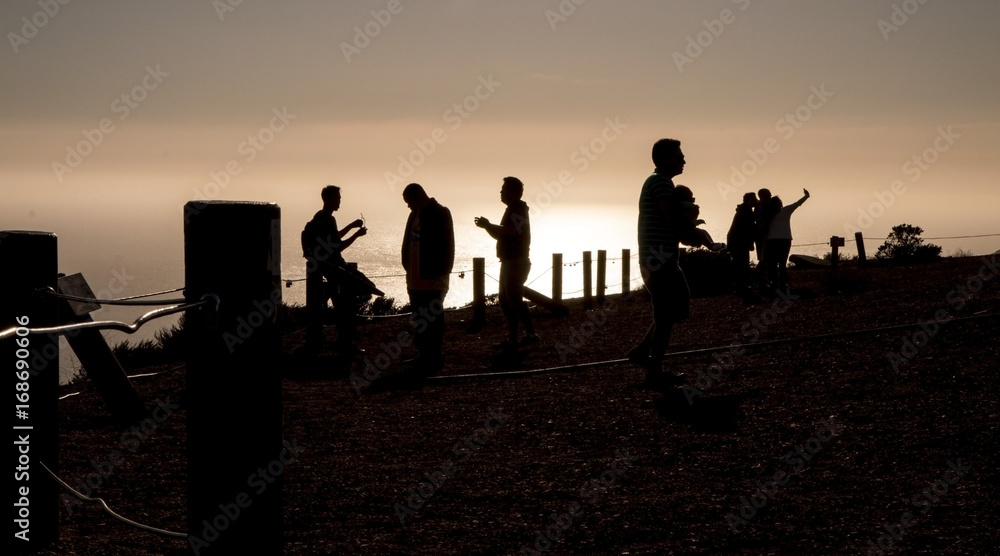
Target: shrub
904, 245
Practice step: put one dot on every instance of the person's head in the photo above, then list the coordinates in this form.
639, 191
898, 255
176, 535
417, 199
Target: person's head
776, 203
750, 199
331, 197
511, 191
667, 157
764, 194
684, 193
415, 196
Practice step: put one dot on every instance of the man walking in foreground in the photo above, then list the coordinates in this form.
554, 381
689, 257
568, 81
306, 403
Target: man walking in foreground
661, 227
428, 255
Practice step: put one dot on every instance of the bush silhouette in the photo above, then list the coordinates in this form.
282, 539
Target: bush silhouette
904, 245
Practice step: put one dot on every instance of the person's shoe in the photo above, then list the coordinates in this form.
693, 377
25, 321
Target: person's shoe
530, 339
506, 344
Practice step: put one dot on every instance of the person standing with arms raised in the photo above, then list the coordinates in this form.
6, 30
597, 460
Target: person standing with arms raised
513, 236
779, 241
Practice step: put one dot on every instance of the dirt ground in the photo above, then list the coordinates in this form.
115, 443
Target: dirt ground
878, 442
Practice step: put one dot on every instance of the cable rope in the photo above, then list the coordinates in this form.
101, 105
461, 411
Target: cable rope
115, 325
135, 300
701, 351
111, 512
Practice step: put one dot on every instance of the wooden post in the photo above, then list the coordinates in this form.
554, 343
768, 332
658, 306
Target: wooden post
96, 356
236, 458
29, 260
588, 301
557, 268
478, 290
835, 243
860, 240
602, 263
626, 274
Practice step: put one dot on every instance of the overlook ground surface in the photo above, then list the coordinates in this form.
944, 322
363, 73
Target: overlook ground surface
675, 476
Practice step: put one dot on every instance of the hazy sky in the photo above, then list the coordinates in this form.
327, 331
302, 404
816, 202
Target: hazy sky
115, 113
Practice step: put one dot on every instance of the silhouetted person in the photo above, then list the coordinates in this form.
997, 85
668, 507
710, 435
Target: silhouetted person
428, 255
741, 238
322, 245
779, 242
662, 225
689, 217
513, 236
763, 214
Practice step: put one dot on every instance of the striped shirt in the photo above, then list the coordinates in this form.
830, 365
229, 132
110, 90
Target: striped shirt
657, 234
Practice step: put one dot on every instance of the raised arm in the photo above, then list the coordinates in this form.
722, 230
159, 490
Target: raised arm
798, 203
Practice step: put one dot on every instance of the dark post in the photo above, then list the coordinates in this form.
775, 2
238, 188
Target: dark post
835, 243
588, 301
29, 262
236, 459
626, 274
557, 268
103, 368
860, 240
478, 290
602, 263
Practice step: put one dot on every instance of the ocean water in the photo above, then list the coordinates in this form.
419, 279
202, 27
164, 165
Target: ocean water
140, 264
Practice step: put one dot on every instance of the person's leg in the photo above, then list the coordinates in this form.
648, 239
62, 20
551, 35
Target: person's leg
522, 269
741, 269
784, 247
345, 303
671, 305
506, 299
315, 303
434, 347
428, 320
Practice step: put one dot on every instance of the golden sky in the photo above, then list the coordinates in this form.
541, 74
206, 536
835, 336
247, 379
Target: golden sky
116, 113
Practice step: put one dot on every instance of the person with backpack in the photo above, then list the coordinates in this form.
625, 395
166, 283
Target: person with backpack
322, 245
